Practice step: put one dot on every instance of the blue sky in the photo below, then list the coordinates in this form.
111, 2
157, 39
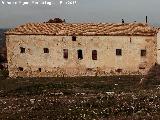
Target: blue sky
82, 11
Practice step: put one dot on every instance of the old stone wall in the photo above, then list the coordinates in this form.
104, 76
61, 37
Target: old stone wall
158, 47
36, 63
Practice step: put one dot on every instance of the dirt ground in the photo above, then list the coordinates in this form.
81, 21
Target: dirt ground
81, 98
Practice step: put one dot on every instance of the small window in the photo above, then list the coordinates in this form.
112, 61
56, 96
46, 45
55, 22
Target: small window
130, 40
39, 69
119, 52
94, 54
20, 68
143, 53
65, 53
22, 50
80, 54
46, 50
74, 38
141, 67
118, 70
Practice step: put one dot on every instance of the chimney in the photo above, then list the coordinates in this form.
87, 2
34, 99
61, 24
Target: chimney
122, 20
146, 19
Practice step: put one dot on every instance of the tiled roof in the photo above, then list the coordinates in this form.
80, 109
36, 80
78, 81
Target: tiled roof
84, 29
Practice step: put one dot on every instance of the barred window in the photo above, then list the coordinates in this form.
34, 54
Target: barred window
46, 50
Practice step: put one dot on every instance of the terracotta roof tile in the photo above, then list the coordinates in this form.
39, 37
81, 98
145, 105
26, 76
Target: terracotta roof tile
86, 29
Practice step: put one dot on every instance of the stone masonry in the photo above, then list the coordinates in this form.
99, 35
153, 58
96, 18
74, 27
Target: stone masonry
65, 52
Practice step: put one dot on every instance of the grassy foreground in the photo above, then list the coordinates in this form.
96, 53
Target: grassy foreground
82, 98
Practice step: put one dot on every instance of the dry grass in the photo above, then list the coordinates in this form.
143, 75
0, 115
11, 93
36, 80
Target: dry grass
105, 98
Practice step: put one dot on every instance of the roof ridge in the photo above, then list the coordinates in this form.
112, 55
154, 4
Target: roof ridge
84, 29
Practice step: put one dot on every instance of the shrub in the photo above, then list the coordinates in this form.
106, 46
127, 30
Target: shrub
4, 73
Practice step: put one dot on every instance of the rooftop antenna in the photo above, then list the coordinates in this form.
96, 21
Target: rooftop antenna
146, 19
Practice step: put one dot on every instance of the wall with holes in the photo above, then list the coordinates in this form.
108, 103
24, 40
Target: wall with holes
116, 55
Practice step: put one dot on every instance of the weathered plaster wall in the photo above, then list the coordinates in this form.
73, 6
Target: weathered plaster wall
53, 63
158, 47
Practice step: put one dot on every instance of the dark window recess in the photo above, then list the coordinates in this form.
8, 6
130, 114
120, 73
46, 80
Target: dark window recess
143, 53
119, 52
20, 68
22, 50
141, 67
46, 50
65, 53
130, 40
73, 38
80, 54
39, 69
89, 69
119, 70
94, 54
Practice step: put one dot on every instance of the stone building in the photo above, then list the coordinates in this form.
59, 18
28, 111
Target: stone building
88, 49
